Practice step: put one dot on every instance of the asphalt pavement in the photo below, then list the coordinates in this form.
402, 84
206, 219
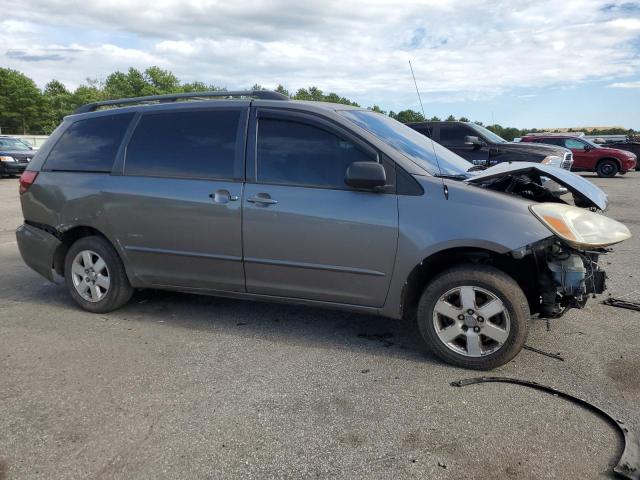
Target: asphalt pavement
184, 386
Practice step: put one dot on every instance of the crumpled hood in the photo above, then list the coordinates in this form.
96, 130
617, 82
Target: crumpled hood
589, 193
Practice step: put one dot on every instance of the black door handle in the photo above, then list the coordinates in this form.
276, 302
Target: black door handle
223, 196
262, 198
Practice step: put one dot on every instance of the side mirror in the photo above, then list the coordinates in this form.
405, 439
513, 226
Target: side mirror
365, 175
472, 140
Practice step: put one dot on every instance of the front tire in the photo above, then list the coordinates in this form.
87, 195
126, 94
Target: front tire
607, 168
95, 275
474, 316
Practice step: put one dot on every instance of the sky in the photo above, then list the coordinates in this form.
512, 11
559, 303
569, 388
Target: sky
559, 63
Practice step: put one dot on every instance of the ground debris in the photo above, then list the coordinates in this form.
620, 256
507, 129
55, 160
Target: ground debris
557, 356
618, 302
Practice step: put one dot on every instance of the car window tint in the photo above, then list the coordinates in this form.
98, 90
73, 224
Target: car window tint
453, 135
184, 144
571, 143
423, 130
300, 154
89, 145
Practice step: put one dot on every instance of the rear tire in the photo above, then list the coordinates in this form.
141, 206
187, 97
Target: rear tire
607, 168
469, 340
95, 275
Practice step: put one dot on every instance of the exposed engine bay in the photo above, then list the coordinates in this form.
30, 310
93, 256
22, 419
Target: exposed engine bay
540, 183
565, 276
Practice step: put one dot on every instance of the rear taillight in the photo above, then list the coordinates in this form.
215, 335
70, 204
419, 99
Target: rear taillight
26, 180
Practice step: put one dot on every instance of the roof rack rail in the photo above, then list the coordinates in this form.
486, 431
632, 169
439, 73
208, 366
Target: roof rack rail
172, 97
554, 134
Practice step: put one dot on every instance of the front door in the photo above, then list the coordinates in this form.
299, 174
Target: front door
306, 234
582, 156
176, 211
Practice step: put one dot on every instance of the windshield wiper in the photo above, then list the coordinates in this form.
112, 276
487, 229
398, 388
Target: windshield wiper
454, 176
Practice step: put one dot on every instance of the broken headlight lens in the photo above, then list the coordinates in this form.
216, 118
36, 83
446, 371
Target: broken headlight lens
579, 227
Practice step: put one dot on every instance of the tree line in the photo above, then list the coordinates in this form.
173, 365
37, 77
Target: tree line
27, 109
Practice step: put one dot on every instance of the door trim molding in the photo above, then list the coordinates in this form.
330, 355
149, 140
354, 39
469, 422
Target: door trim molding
182, 253
314, 266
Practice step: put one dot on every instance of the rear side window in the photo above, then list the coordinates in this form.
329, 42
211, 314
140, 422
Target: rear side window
89, 145
186, 144
453, 135
295, 153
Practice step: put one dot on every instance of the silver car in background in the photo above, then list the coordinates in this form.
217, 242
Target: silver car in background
252, 195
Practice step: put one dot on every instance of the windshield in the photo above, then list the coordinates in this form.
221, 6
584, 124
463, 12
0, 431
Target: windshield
12, 144
488, 134
413, 145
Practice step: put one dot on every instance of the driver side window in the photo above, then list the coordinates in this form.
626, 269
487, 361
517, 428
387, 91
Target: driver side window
295, 153
575, 144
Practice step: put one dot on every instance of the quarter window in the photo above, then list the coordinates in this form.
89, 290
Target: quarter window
301, 154
185, 144
89, 145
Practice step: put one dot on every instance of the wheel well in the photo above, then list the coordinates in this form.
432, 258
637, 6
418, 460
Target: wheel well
68, 238
430, 267
612, 159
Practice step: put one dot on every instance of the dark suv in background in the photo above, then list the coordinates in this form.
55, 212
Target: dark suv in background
15, 155
481, 146
589, 156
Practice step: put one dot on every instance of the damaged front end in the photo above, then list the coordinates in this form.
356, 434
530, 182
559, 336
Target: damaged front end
566, 276
540, 183
566, 262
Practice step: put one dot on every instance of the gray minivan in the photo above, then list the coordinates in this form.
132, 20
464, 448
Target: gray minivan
253, 195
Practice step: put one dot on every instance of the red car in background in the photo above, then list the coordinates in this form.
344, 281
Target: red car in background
588, 156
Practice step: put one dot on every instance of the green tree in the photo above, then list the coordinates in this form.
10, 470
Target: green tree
58, 101
450, 118
463, 119
282, 90
161, 81
435, 119
377, 109
22, 109
406, 116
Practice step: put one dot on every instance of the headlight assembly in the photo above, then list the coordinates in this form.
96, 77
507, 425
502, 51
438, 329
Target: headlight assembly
552, 161
579, 227
7, 159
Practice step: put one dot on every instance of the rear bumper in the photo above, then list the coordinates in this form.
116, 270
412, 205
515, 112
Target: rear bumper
37, 248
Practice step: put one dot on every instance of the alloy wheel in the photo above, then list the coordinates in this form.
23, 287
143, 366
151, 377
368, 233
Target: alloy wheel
90, 276
471, 321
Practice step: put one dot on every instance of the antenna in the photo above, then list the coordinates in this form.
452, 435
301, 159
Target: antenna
417, 91
445, 189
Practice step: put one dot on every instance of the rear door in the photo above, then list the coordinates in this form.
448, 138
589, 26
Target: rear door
176, 207
452, 136
306, 234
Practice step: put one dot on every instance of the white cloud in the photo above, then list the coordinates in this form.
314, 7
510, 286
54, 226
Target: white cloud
460, 49
626, 84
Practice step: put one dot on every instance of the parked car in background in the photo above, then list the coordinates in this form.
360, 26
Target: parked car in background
266, 198
15, 155
589, 156
481, 146
632, 146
